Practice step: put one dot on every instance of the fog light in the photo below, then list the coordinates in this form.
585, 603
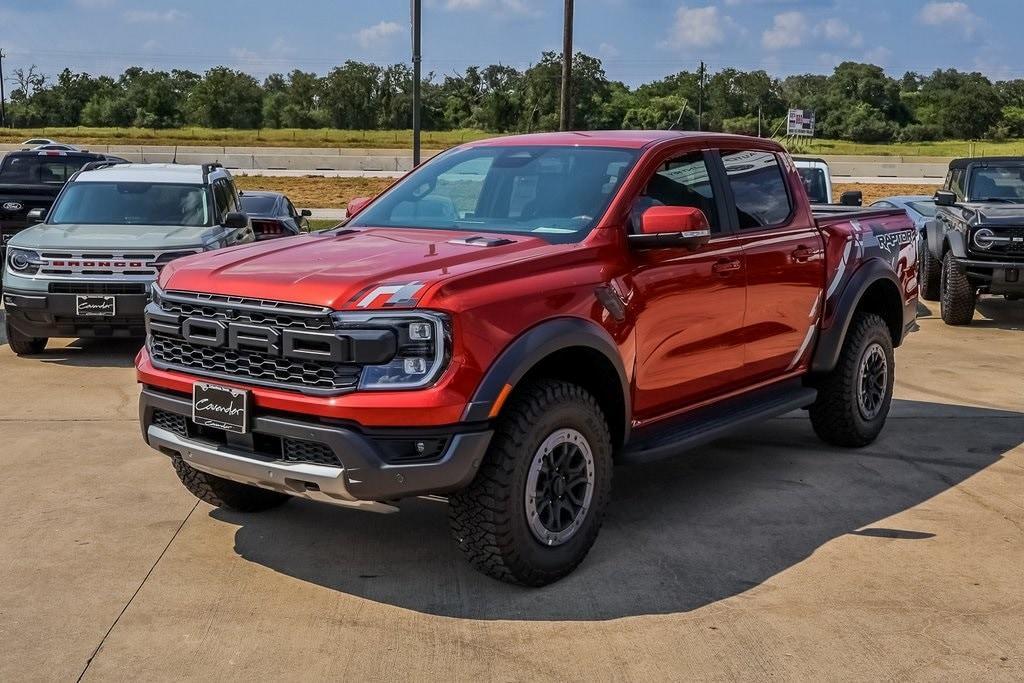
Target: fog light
420, 331
415, 366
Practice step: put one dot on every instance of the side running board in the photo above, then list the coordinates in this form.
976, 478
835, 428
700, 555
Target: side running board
707, 424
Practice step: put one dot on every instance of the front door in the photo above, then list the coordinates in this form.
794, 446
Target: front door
691, 303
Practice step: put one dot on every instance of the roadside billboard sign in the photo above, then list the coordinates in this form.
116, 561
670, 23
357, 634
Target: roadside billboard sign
800, 123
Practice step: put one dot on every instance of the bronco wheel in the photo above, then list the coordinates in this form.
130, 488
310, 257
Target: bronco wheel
535, 507
929, 273
959, 296
224, 493
853, 400
21, 344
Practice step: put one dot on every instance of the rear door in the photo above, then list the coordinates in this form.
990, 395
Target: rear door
784, 259
691, 303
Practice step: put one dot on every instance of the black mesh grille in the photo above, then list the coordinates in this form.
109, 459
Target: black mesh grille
172, 422
253, 365
296, 450
1015, 247
221, 310
97, 288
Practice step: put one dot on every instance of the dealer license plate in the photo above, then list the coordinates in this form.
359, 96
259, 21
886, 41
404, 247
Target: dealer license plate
221, 407
95, 305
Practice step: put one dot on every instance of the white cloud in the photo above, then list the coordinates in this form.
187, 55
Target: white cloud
138, 16
837, 30
787, 30
699, 27
879, 56
950, 13
608, 50
369, 36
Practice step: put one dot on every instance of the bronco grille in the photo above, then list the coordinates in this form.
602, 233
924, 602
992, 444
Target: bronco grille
288, 346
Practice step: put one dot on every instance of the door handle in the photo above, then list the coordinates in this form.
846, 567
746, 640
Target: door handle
726, 266
801, 254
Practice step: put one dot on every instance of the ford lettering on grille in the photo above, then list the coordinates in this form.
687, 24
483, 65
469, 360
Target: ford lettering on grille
262, 346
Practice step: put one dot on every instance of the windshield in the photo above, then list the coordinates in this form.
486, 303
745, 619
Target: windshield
815, 184
926, 209
997, 183
132, 204
557, 193
40, 168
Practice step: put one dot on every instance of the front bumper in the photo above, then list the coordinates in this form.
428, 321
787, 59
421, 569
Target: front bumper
995, 277
342, 464
45, 314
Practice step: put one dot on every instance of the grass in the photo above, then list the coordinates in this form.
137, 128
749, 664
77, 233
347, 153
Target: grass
226, 137
402, 139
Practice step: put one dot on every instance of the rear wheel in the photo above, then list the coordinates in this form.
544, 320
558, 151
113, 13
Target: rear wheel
853, 400
929, 273
24, 345
224, 493
959, 296
536, 505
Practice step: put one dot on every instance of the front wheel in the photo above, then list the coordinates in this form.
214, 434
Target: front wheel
959, 296
853, 400
21, 344
535, 507
224, 493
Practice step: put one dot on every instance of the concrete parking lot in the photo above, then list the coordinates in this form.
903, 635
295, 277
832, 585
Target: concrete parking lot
768, 555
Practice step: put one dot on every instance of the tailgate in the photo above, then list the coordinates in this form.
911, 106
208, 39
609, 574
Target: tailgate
15, 203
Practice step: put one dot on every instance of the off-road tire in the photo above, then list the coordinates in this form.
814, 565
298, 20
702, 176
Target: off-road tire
959, 296
224, 493
22, 344
836, 415
488, 519
929, 274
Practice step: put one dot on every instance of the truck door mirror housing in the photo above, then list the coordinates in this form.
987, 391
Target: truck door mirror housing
236, 220
37, 215
852, 198
945, 198
356, 205
305, 213
672, 226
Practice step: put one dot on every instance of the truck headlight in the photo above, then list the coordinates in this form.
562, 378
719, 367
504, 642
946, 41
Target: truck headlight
23, 261
984, 238
423, 342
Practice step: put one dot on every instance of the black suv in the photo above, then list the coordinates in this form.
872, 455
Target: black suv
975, 243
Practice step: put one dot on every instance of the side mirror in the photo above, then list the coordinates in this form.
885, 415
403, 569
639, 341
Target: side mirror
306, 213
672, 226
356, 205
37, 215
236, 220
852, 198
945, 198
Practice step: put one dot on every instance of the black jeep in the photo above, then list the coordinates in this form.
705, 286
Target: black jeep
975, 243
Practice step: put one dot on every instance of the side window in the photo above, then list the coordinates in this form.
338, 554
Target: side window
758, 188
683, 181
222, 197
290, 208
956, 182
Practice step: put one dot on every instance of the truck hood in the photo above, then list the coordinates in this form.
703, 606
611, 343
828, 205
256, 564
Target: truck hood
989, 213
369, 268
126, 237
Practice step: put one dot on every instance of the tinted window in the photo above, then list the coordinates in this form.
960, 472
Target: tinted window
558, 193
758, 188
258, 205
956, 182
815, 184
224, 195
131, 204
30, 170
683, 181
997, 182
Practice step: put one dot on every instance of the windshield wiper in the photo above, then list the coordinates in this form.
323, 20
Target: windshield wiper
1005, 200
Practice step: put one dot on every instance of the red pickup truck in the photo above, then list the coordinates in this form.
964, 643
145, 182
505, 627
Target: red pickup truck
514, 317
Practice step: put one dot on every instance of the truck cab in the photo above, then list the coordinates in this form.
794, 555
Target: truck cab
85, 267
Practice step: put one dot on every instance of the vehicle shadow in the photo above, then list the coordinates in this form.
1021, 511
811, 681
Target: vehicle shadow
1000, 313
86, 352
679, 534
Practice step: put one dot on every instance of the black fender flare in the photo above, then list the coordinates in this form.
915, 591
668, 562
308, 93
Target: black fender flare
933, 232
830, 344
955, 243
531, 347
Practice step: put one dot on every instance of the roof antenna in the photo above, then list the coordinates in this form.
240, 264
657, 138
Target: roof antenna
678, 118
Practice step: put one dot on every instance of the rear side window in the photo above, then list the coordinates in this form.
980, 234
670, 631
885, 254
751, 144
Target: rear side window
30, 170
758, 188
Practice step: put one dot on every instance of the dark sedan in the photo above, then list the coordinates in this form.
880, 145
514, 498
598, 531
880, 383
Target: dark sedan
273, 215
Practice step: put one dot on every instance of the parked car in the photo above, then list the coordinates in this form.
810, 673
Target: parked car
818, 182
86, 269
273, 215
57, 147
920, 208
514, 316
31, 180
975, 242
35, 142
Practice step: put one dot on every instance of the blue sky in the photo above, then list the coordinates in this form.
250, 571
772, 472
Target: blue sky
638, 40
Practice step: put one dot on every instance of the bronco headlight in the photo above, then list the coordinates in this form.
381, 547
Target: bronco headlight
984, 238
23, 261
423, 343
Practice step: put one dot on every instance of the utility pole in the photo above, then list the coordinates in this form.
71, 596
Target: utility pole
565, 114
700, 97
417, 16
3, 106
759, 120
